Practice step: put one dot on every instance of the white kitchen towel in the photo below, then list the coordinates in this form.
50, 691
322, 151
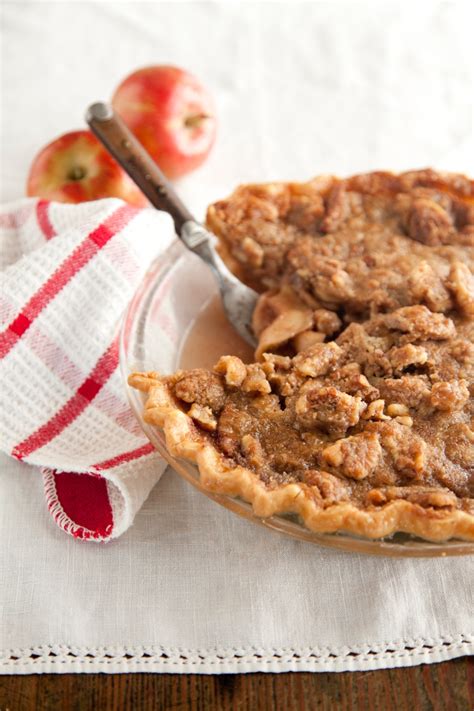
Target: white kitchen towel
68, 273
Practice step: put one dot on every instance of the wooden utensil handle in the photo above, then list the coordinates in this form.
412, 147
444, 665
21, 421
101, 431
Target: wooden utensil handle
110, 129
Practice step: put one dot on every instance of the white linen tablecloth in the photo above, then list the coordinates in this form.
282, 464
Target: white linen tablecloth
193, 588
301, 88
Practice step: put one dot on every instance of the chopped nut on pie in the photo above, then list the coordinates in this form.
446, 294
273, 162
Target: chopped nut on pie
233, 369
328, 409
203, 416
318, 359
355, 456
358, 413
404, 356
429, 223
452, 395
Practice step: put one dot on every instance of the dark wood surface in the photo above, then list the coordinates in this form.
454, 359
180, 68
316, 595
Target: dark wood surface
448, 686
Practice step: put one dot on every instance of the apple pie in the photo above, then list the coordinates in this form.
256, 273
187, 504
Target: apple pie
358, 413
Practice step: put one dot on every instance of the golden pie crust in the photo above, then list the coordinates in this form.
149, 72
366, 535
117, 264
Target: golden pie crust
358, 413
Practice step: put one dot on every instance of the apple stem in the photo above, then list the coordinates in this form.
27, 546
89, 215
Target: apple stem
76, 173
195, 119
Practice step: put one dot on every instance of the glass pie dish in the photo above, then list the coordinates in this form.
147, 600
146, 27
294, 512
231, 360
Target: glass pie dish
175, 320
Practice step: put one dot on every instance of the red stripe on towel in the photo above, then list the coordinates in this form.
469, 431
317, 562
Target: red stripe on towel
42, 215
125, 457
65, 272
97, 378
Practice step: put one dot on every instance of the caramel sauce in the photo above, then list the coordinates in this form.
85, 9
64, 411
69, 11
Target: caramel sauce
209, 337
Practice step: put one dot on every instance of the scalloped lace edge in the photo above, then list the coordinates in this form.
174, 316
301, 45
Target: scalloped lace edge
112, 659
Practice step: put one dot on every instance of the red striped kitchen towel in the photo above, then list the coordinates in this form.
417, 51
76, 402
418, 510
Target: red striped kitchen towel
68, 272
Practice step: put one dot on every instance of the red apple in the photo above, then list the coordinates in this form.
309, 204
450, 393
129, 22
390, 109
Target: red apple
75, 168
171, 114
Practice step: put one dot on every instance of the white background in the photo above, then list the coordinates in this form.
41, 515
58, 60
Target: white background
301, 89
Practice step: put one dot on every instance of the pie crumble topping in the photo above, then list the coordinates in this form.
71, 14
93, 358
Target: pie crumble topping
358, 413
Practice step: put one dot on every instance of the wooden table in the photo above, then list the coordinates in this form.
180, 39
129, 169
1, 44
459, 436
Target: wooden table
448, 686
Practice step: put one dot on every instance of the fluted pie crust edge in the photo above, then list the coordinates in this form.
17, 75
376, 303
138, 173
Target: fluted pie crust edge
185, 440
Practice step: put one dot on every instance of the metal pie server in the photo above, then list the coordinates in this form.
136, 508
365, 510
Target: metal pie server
238, 300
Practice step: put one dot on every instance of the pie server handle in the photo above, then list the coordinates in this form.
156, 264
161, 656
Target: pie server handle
238, 300
120, 142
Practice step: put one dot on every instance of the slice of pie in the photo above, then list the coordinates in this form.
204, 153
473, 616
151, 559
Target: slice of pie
358, 414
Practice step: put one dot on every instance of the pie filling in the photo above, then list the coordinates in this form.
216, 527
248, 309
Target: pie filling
358, 413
